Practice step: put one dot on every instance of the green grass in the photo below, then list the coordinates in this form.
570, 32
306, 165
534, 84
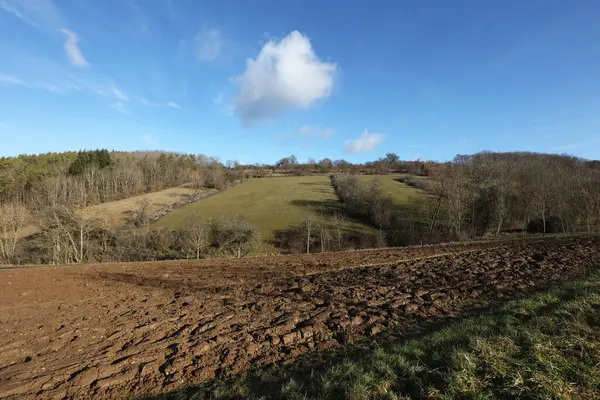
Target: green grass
268, 203
400, 193
540, 346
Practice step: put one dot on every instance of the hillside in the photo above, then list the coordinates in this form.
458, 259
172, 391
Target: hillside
85, 201
271, 204
118, 212
400, 193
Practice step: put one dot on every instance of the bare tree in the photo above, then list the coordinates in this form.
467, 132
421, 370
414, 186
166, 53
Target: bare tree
233, 236
140, 215
197, 235
13, 218
337, 223
307, 229
68, 229
324, 234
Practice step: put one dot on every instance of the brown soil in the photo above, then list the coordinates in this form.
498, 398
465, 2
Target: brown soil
123, 330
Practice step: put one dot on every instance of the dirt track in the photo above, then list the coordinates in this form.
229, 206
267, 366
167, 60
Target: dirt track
115, 331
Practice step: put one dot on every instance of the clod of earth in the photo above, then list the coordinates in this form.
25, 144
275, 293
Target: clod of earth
123, 330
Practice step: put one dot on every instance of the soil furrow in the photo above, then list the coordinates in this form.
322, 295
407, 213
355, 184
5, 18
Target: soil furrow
122, 330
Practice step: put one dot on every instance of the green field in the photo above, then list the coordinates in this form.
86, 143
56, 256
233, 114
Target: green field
268, 203
400, 193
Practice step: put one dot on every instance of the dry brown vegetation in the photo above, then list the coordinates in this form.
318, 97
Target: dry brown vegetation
119, 212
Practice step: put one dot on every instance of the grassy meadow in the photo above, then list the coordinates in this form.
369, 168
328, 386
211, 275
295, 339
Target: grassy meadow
269, 203
400, 193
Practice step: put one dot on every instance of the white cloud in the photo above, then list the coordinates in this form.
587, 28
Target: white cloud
120, 107
209, 45
367, 141
118, 93
285, 75
169, 104
73, 53
463, 141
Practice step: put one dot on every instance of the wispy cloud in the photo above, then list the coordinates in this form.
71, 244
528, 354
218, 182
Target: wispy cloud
367, 141
71, 47
209, 44
120, 107
57, 87
118, 93
10, 80
168, 104
463, 141
37, 13
50, 87
13, 9
99, 86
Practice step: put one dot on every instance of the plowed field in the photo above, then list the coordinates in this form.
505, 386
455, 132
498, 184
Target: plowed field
124, 330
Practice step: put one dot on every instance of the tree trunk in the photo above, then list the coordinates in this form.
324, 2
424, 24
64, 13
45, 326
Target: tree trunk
544, 218
308, 223
499, 227
435, 216
81, 245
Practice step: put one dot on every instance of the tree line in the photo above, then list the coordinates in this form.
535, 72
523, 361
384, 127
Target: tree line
391, 163
80, 235
57, 188
91, 177
370, 204
471, 196
488, 193
485, 194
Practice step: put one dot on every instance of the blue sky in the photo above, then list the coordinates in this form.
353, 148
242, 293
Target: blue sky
259, 80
